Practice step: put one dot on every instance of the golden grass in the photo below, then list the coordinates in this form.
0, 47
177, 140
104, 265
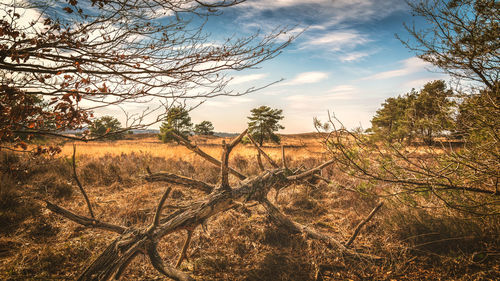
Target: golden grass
296, 146
238, 244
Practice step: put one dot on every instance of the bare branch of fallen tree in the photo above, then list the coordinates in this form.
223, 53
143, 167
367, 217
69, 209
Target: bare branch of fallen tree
75, 176
205, 155
183, 254
362, 223
226, 150
156, 220
113, 261
180, 180
89, 222
283, 158
268, 158
311, 171
259, 162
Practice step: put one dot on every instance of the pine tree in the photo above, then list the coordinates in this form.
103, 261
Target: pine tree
264, 121
205, 128
177, 121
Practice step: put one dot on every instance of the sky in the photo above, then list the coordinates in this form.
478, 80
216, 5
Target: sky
347, 62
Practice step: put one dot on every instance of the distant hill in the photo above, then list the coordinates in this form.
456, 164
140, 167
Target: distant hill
146, 131
225, 135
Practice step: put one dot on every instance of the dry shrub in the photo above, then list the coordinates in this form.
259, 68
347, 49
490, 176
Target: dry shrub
45, 261
442, 233
39, 228
13, 208
55, 185
280, 266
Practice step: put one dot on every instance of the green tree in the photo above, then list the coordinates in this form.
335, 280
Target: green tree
205, 128
106, 127
430, 112
264, 121
422, 114
177, 121
390, 120
461, 38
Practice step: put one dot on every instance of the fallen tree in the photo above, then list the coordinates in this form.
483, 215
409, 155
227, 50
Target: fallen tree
132, 241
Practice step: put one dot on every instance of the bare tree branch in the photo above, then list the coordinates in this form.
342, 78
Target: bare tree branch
181, 180
362, 223
75, 176
90, 222
268, 158
207, 157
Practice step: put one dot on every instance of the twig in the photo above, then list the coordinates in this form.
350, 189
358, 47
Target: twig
268, 158
361, 224
181, 180
79, 184
283, 158
207, 157
184, 248
156, 220
90, 222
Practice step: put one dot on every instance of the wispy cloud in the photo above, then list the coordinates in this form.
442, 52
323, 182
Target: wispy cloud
247, 78
342, 92
337, 40
307, 78
353, 56
331, 12
228, 101
410, 66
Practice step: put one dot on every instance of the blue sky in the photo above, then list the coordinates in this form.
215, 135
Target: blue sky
348, 62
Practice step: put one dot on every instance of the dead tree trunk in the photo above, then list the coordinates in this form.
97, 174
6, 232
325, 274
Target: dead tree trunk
132, 241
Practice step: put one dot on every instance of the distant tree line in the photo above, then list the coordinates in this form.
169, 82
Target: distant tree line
179, 122
264, 122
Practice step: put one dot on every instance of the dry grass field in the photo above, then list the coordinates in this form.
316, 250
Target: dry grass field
240, 244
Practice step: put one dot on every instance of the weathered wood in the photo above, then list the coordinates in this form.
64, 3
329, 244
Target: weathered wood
75, 176
259, 162
283, 158
158, 264
362, 223
268, 158
156, 220
224, 168
311, 171
205, 155
180, 180
117, 256
89, 222
183, 254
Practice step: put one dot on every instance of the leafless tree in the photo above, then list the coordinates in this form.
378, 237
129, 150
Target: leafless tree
83, 55
133, 241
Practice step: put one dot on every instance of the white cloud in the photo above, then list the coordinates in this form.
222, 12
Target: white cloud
277, 4
247, 78
410, 66
228, 101
354, 56
307, 78
343, 43
335, 11
339, 39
